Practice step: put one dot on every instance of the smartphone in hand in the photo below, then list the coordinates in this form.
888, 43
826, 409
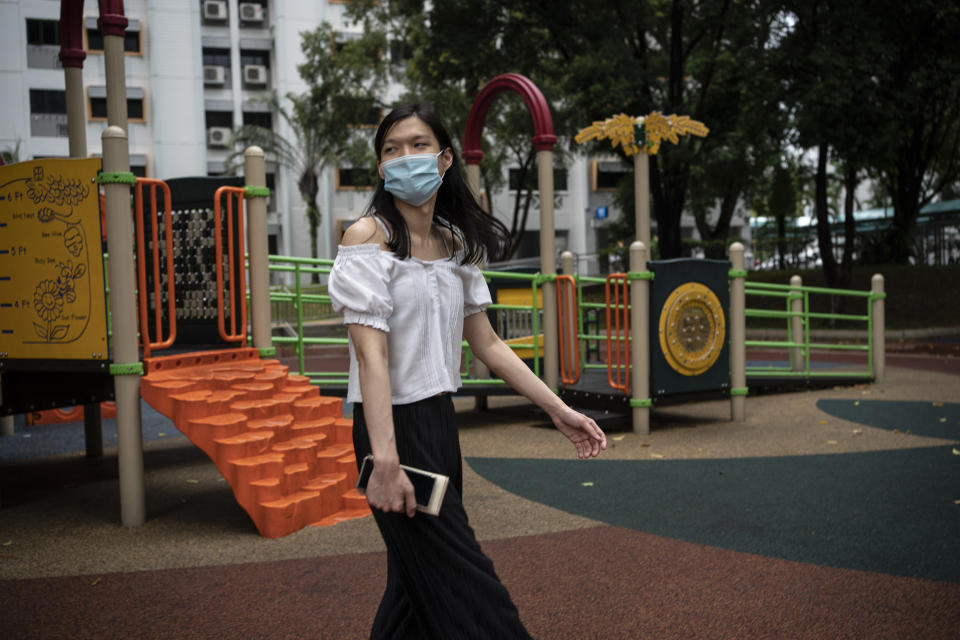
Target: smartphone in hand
428, 487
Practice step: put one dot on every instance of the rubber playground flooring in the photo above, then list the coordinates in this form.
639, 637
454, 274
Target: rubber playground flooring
824, 514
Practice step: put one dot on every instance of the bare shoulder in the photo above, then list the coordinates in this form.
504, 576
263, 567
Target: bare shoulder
364, 231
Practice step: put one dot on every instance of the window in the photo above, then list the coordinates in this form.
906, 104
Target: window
559, 179
361, 112
250, 56
43, 44
48, 101
400, 51
356, 178
43, 32
261, 119
131, 37
607, 175
219, 119
98, 104
216, 57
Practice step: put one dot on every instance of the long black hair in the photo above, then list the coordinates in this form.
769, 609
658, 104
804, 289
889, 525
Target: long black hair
481, 234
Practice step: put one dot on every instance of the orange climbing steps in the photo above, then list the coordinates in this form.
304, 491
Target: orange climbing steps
285, 450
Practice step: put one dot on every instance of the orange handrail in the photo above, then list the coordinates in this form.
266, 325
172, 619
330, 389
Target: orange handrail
236, 335
569, 336
618, 348
148, 345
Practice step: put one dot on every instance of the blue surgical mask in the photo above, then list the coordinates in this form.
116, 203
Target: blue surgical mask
414, 178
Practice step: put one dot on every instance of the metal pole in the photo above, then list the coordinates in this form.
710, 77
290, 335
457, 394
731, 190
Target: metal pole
548, 267
738, 349
72, 56
116, 78
796, 323
254, 171
76, 112
641, 190
123, 313
879, 329
640, 341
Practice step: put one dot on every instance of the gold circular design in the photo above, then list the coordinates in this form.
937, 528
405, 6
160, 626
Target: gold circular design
692, 329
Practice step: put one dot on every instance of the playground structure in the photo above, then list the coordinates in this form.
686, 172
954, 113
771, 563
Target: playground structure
284, 448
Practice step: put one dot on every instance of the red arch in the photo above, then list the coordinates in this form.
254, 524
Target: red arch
543, 137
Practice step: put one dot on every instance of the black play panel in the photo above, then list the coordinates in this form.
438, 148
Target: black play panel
666, 380
194, 262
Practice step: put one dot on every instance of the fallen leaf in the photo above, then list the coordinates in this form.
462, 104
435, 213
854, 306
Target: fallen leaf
956, 452
956, 502
943, 419
823, 422
857, 432
896, 430
161, 434
586, 484
866, 393
618, 438
856, 403
95, 582
656, 455
832, 442
938, 404
192, 481
10, 542
644, 444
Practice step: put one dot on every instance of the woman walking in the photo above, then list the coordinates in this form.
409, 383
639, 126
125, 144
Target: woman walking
407, 283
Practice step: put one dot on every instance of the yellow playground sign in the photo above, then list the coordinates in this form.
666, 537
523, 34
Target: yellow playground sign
52, 301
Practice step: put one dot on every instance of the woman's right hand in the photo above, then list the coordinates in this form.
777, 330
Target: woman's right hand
389, 489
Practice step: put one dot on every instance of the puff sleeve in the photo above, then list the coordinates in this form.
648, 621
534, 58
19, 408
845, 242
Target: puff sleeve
476, 293
359, 286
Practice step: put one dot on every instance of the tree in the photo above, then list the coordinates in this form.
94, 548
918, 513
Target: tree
344, 80
455, 48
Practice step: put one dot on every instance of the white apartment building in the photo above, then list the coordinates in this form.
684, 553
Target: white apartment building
194, 69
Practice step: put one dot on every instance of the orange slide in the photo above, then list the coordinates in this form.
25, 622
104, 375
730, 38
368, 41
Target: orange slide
286, 450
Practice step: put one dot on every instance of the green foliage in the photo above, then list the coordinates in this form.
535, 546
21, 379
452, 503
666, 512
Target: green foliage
344, 81
874, 85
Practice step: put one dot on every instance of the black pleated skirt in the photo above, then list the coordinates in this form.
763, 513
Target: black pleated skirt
440, 585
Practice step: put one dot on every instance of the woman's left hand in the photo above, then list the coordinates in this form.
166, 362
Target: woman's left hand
582, 431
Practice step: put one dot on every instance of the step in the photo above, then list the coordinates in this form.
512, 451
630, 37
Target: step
244, 445
328, 458
289, 513
322, 426
258, 409
285, 450
318, 407
204, 431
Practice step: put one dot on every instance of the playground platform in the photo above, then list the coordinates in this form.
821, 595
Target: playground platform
827, 513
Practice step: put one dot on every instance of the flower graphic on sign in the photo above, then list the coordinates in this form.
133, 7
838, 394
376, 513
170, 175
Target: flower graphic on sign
49, 297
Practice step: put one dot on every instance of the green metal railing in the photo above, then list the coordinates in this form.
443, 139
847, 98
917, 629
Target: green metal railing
805, 347
298, 299
300, 296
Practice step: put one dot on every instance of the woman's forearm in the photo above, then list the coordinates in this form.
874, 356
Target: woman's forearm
503, 362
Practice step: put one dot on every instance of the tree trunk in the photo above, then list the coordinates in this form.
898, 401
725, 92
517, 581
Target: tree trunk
849, 225
309, 188
823, 218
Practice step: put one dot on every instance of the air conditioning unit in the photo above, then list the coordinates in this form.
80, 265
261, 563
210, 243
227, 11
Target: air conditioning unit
215, 9
218, 137
255, 75
251, 12
214, 75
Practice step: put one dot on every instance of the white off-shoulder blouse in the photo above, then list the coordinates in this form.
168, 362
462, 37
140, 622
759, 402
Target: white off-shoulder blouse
421, 305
